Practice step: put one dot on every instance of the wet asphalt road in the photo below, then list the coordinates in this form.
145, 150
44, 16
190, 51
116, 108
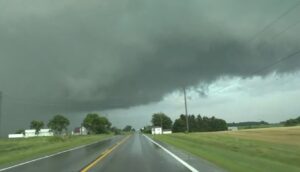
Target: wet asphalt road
72, 161
136, 154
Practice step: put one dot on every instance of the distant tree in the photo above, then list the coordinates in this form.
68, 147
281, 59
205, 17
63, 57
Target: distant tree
198, 124
160, 119
247, 124
217, 124
96, 124
116, 130
146, 129
20, 131
180, 124
206, 124
291, 122
192, 123
37, 125
127, 128
58, 124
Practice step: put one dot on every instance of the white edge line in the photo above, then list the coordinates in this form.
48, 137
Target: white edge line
51, 155
191, 168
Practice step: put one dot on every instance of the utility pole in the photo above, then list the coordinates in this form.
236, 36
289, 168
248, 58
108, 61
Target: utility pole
186, 111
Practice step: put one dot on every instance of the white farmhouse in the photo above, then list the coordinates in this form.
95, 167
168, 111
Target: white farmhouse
156, 130
80, 131
45, 133
30, 133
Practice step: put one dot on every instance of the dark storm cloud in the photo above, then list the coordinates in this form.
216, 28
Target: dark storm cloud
93, 55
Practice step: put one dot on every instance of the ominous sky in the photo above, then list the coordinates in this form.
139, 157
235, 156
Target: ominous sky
124, 57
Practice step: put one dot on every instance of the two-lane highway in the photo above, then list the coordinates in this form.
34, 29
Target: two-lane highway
133, 153
139, 154
71, 161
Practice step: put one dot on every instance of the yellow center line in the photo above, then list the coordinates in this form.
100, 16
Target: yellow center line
103, 155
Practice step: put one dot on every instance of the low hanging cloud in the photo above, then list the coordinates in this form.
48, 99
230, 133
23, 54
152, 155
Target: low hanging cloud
96, 55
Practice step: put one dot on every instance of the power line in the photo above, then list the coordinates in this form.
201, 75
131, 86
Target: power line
275, 21
285, 30
276, 62
263, 30
292, 55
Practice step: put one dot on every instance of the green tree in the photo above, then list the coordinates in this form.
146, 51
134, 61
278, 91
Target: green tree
146, 129
116, 130
59, 124
199, 124
96, 124
206, 124
160, 119
127, 128
179, 124
292, 122
37, 125
192, 123
217, 124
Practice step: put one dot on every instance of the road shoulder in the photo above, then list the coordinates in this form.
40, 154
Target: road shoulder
197, 162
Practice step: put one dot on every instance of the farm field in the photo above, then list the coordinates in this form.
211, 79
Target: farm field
268, 149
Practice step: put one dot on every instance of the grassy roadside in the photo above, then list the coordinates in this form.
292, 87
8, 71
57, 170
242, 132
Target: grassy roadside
270, 149
16, 150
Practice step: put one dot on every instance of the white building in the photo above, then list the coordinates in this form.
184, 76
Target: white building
45, 133
156, 130
32, 133
14, 136
233, 129
80, 131
167, 131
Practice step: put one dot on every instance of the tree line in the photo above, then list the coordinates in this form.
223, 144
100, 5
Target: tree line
292, 122
94, 124
247, 123
196, 123
58, 124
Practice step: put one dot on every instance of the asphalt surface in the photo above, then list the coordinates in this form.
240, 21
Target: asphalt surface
72, 161
136, 154
140, 155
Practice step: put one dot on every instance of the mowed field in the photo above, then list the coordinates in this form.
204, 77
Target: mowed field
270, 149
15, 150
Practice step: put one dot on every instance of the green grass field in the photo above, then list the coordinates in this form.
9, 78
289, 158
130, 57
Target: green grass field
269, 149
16, 150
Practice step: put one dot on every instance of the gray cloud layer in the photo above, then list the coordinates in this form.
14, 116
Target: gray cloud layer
113, 54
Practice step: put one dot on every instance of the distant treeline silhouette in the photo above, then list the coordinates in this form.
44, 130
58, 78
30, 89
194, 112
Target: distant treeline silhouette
199, 124
248, 123
292, 122
196, 123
